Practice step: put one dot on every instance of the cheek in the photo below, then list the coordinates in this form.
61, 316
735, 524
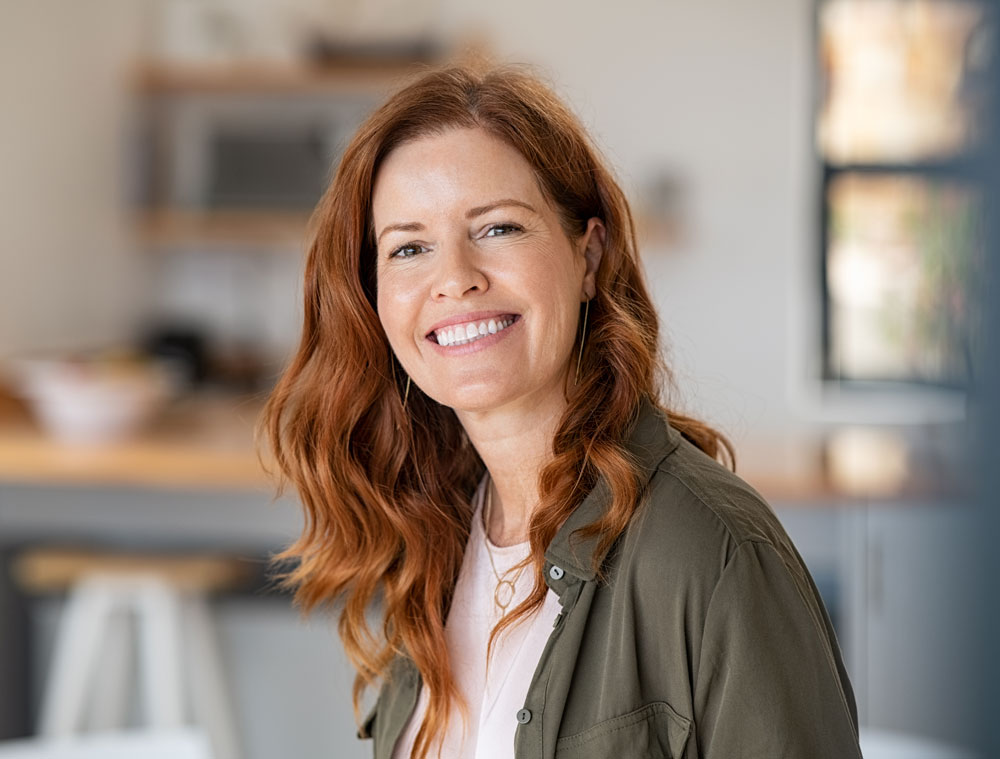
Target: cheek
388, 315
555, 286
395, 305
562, 277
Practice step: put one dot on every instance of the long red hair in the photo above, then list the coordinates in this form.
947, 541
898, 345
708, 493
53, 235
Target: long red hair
386, 489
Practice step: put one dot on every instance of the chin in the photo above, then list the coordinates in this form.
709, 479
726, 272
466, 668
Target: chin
472, 400
495, 390
472, 407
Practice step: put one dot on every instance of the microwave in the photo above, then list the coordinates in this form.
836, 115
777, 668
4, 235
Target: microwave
242, 150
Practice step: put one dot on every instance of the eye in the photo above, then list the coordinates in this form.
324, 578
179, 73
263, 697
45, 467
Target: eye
406, 251
502, 229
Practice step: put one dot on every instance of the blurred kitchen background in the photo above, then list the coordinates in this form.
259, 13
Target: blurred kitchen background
808, 181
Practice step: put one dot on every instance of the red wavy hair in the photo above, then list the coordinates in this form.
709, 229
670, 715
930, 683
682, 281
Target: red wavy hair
386, 490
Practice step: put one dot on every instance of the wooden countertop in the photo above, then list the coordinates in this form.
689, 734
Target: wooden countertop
197, 442
206, 442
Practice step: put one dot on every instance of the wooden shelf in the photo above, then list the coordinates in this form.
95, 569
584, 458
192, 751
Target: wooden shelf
164, 227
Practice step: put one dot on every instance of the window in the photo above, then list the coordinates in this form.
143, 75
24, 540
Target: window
900, 138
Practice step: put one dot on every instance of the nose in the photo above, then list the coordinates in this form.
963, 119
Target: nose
459, 272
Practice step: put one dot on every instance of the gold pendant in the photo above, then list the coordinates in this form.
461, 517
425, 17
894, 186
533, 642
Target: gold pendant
505, 588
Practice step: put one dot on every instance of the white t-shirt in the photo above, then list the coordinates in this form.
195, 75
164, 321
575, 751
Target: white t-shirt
493, 700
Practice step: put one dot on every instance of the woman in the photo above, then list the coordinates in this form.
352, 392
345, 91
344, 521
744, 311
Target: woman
474, 426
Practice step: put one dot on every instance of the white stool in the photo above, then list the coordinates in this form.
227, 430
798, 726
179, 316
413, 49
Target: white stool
177, 658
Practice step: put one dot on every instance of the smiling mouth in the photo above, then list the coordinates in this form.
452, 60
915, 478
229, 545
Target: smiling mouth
469, 332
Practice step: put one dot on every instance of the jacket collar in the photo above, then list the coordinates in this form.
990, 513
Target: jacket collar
652, 439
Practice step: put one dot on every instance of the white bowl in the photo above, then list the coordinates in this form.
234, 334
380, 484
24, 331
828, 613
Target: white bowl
80, 402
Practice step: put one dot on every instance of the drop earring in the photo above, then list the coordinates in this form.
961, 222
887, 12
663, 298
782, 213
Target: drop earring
406, 392
583, 336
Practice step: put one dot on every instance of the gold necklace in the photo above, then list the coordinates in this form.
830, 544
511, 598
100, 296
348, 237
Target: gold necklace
505, 587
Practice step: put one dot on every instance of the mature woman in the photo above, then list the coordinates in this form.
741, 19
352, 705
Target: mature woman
475, 426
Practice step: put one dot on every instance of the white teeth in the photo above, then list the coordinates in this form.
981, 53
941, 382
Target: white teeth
470, 332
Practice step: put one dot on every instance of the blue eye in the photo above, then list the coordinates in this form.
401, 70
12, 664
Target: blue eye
406, 251
506, 226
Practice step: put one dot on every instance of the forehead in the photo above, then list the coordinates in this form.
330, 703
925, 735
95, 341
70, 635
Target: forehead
452, 171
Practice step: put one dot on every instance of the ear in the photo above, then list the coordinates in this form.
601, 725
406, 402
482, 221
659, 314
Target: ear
592, 244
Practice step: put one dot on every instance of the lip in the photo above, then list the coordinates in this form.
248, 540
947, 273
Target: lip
471, 316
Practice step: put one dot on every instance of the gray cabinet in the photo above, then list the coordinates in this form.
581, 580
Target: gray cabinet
900, 579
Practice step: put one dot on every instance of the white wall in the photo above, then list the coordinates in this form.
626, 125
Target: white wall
68, 276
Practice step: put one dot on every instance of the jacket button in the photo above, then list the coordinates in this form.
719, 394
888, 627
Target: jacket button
524, 716
556, 573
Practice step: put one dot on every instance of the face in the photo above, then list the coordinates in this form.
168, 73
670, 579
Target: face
479, 287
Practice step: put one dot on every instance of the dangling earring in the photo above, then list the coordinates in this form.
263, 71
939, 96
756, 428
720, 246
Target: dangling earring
583, 336
406, 393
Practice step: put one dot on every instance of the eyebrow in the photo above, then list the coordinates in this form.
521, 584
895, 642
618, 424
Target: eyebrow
480, 210
414, 226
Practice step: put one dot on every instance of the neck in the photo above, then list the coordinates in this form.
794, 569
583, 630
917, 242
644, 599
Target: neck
515, 444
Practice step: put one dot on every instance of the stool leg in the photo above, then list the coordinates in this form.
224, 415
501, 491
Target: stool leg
78, 644
111, 689
208, 689
158, 607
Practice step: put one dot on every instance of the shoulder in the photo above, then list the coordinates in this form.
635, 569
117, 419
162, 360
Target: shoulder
688, 480
694, 517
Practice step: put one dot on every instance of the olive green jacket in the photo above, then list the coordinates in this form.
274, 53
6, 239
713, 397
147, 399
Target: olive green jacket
708, 639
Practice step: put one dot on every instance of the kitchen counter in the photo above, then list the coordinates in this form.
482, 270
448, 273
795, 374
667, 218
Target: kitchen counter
206, 442
198, 442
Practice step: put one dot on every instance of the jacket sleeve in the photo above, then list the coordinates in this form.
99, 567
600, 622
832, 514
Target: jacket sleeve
770, 682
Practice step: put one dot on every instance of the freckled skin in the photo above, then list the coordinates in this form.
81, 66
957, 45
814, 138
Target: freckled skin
453, 264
